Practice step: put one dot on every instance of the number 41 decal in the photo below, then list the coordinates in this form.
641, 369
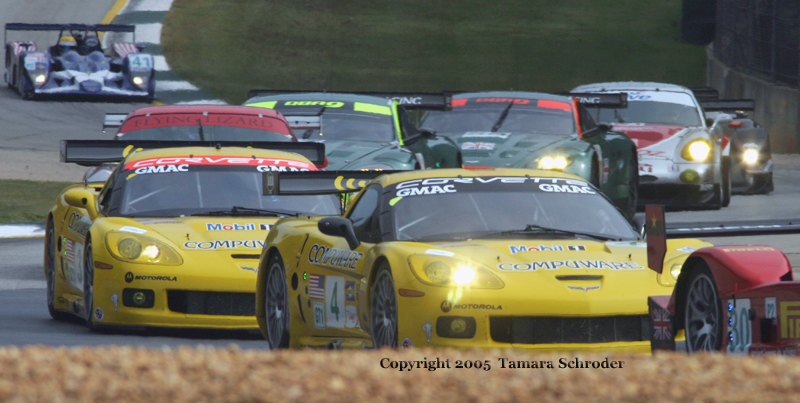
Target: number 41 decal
334, 298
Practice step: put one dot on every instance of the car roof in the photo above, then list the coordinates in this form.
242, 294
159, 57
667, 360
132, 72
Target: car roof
390, 179
631, 86
514, 94
321, 96
210, 151
209, 108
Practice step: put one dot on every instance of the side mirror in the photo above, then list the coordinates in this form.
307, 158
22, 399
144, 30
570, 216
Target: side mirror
81, 198
427, 133
709, 122
341, 227
638, 222
604, 127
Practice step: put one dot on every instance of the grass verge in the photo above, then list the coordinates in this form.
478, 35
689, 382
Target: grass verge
229, 47
27, 201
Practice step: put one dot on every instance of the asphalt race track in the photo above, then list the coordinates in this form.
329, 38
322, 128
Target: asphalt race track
35, 128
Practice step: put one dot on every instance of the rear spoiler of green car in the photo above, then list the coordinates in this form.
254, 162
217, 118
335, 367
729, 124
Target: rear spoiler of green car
408, 100
317, 182
601, 100
97, 152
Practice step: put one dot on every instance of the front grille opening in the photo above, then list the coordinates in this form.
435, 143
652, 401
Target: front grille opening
212, 303
554, 330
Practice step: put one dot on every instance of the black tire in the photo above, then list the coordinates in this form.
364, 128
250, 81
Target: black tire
276, 304
88, 285
594, 176
702, 312
383, 309
50, 271
726, 182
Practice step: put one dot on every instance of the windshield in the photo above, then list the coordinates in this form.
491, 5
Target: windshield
503, 117
348, 125
197, 127
653, 107
442, 209
201, 189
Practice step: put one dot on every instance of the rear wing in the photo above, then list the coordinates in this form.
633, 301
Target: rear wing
408, 100
722, 105
113, 120
618, 100
97, 152
21, 26
658, 232
317, 182
705, 93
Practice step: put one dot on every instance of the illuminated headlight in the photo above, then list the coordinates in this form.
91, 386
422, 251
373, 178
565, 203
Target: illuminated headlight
447, 271
558, 162
750, 155
464, 275
40, 79
140, 249
697, 150
675, 271
138, 80
375, 167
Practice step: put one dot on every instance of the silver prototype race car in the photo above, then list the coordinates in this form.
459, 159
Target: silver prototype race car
77, 65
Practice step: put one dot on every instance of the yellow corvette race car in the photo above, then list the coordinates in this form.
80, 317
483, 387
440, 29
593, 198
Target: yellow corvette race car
173, 238
467, 258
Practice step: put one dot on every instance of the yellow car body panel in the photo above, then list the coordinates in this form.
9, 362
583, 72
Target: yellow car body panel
575, 278
215, 254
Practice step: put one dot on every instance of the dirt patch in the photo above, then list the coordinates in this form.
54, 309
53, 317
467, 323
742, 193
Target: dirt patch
37, 374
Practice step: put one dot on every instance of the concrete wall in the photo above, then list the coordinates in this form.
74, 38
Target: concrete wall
777, 106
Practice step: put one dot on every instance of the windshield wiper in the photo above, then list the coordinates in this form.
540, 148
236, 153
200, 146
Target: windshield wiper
533, 228
502, 117
239, 210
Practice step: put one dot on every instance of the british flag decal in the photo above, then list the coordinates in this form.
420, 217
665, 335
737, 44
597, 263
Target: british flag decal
662, 323
477, 146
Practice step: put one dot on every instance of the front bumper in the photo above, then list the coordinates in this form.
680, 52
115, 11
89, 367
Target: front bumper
663, 181
584, 324
182, 298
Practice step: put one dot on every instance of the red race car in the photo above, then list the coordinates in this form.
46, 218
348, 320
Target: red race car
736, 299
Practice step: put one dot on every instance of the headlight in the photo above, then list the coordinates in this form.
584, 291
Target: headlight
750, 156
697, 150
558, 162
375, 167
139, 81
40, 79
675, 271
139, 249
446, 271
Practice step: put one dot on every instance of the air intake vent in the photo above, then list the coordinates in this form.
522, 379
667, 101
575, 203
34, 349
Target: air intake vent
212, 303
551, 330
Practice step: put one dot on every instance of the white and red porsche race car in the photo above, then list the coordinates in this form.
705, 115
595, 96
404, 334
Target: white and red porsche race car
683, 157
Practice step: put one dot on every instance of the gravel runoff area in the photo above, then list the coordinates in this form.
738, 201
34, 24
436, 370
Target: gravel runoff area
125, 374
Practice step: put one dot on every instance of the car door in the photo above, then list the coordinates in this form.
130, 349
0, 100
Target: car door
337, 275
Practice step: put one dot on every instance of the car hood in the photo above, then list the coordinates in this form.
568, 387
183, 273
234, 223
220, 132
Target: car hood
348, 154
496, 149
244, 234
647, 134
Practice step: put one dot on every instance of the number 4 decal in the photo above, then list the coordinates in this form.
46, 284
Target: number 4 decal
334, 301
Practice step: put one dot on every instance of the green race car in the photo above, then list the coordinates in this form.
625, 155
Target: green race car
363, 132
542, 131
